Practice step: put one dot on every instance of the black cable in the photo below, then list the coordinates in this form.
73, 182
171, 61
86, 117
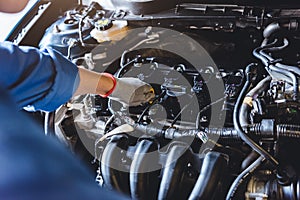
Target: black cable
72, 43
257, 54
80, 35
179, 114
289, 71
127, 66
149, 106
80, 30
272, 65
206, 108
91, 10
242, 176
260, 87
293, 69
291, 131
238, 126
122, 60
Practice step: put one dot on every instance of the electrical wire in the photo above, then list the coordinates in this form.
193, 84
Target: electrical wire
80, 34
90, 9
150, 105
80, 30
242, 176
206, 108
179, 114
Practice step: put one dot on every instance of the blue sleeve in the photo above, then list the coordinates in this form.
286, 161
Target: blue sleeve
37, 167
37, 79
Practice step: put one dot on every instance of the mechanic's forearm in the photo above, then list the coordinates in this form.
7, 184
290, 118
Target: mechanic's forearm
93, 82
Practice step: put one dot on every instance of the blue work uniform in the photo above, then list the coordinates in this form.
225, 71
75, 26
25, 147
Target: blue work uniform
32, 166
37, 80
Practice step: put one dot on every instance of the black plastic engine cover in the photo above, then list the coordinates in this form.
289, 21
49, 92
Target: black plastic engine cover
139, 7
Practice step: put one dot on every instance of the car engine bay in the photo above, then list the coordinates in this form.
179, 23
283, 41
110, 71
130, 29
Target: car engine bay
225, 121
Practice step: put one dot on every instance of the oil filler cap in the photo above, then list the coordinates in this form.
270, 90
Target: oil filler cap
103, 24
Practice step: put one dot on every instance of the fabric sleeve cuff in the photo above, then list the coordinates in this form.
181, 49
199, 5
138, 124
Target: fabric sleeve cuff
64, 85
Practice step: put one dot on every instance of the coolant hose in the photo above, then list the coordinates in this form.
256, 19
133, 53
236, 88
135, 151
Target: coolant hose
271, 29
237, 125
247, 103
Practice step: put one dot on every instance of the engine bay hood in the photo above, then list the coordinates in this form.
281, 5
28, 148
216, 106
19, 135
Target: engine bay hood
221, 121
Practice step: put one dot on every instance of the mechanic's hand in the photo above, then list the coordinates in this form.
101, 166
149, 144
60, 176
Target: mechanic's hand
131, 91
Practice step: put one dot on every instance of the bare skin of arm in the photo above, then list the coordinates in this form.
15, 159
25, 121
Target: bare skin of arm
93, 82
12, 6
